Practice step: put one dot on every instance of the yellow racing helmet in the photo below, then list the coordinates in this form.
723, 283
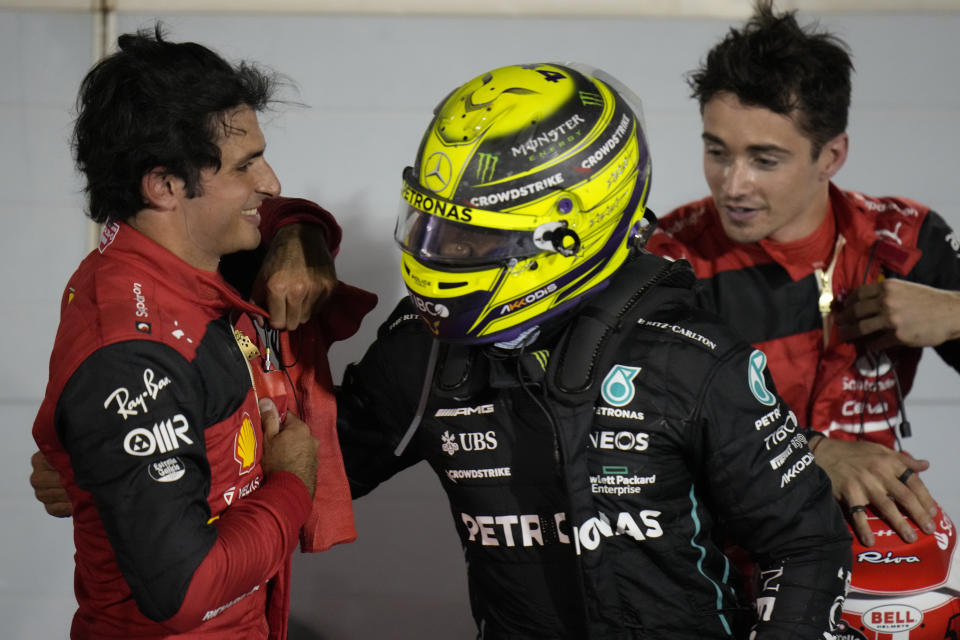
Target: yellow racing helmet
527, 194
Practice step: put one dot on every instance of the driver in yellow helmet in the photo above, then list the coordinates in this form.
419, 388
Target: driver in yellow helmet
597, 435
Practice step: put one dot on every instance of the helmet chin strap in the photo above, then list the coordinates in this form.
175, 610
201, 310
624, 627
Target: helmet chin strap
525, 338
424, 395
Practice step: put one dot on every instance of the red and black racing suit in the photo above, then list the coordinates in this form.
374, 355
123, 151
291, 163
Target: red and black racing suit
769, 293
152, 421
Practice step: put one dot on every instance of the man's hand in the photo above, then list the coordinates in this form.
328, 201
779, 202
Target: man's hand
47, 487
297, 275
867, 473
897, 312
289, 446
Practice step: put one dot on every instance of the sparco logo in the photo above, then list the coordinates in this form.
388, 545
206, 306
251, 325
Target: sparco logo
473, 441
430, 308
163, 437
464, 411
141, 300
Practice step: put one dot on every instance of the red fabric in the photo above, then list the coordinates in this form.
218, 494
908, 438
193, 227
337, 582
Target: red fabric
277, 212
814, 251
819, 384
331, 520
242, 547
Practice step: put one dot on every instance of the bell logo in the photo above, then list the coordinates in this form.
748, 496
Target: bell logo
245, 445
893, 618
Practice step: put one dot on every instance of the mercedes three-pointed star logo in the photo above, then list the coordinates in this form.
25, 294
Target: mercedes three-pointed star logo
439, 170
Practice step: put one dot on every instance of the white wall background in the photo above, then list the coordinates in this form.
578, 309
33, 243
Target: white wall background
369, 84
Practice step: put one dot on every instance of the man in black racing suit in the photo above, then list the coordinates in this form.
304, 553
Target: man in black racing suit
599, 437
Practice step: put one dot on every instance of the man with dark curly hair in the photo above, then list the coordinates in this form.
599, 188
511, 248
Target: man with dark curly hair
841, 290
187, 494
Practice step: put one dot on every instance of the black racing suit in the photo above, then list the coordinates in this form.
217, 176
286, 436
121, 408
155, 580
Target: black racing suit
603, 514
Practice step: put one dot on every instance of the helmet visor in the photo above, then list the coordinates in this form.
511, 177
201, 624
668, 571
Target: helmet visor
432, 239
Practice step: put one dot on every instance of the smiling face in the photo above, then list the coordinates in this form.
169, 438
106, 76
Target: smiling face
761, 172
224, 218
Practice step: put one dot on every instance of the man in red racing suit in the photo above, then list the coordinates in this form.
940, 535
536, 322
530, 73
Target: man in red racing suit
772, 292
307, 390
152, 421
839, 289
186, 504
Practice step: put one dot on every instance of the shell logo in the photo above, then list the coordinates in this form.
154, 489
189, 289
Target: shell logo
245, 445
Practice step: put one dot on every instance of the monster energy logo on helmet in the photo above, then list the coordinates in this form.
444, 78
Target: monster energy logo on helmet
486, 166
591, 99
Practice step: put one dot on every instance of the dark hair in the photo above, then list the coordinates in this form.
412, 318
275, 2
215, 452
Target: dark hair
152, 104
774, 63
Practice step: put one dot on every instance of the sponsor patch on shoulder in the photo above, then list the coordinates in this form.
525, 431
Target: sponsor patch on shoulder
755, 379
